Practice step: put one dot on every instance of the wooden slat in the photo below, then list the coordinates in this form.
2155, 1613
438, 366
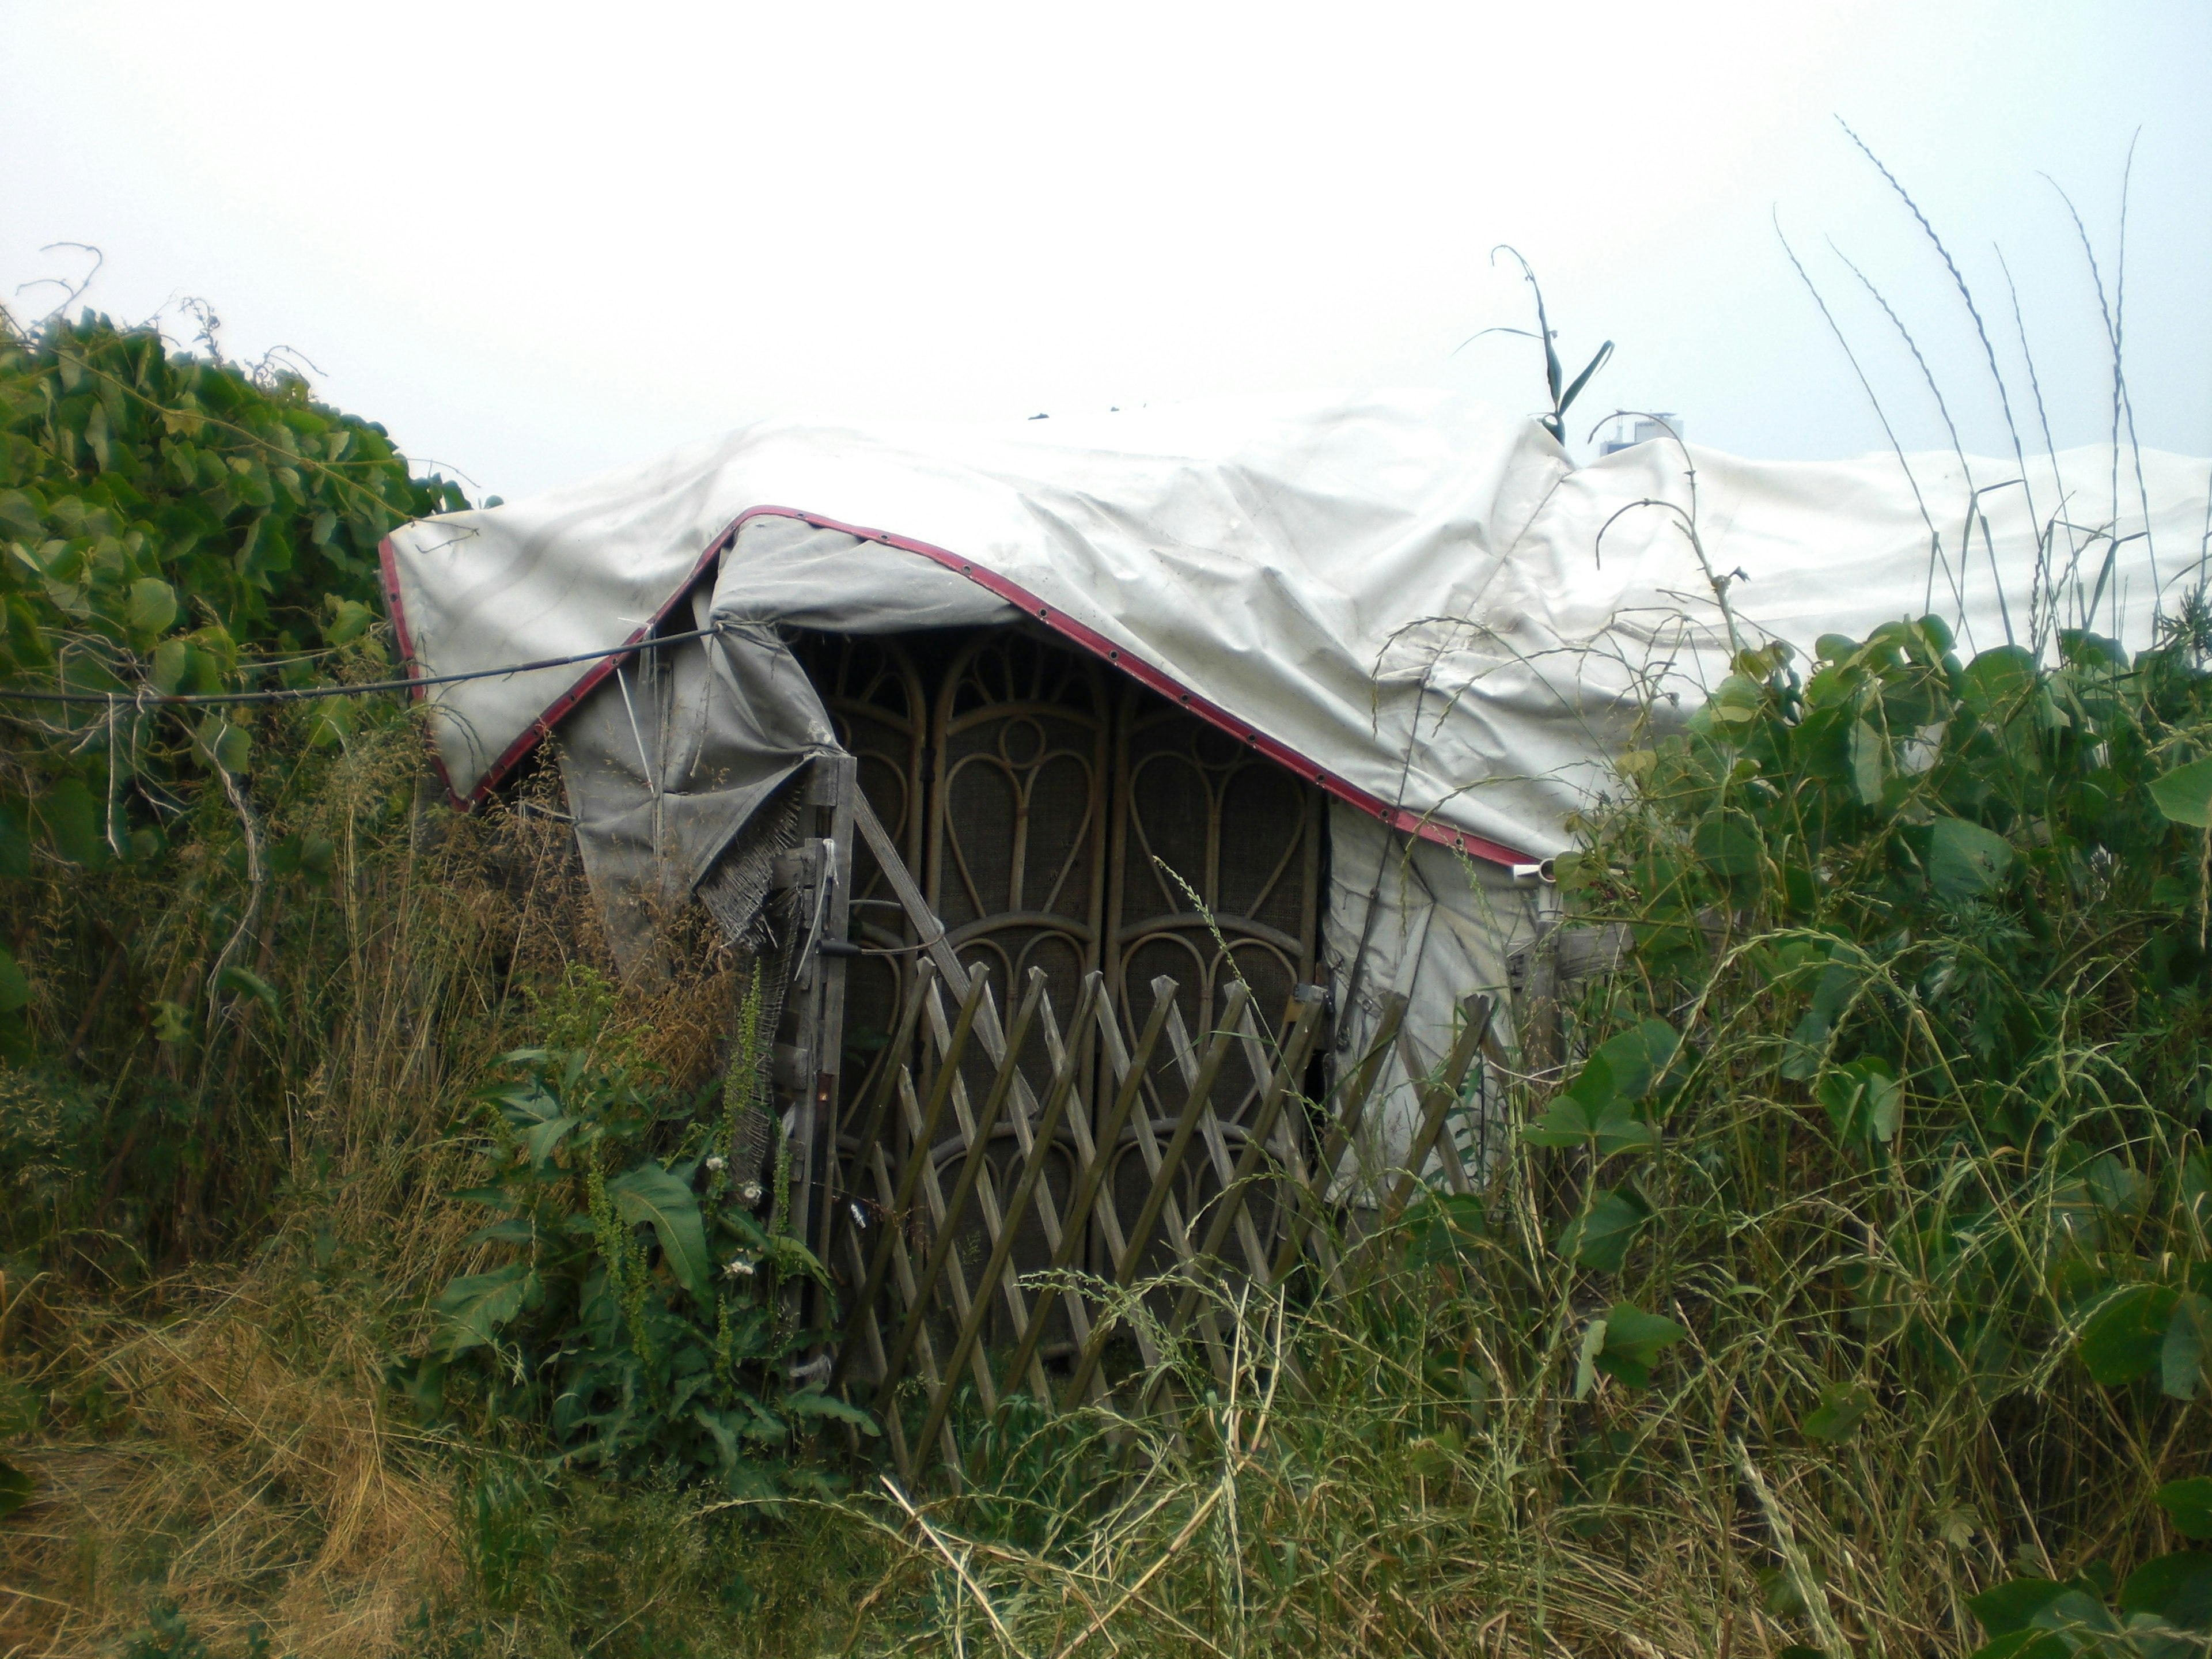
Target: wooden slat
955, 1046
1297, 1049
1163, 1180
1305, 1229
1091, 1187
978, 1137
1438, 1095
1062, 1090
874, 1111
931, 930
1217, 1141
987, 1190
1446, 1148
955, 1281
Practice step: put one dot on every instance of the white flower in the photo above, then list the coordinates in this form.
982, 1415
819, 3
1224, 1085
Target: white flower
717, 1163
738, 1266
750, 1192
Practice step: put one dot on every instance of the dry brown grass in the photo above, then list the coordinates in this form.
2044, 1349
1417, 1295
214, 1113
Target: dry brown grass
247, 1467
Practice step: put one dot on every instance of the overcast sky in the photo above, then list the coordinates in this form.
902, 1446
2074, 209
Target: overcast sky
537, 242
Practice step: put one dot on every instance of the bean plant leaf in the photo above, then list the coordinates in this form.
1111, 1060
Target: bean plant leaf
152, 607
2177, 1588
1965, 861
2184, 794
2185, 1361
1863, 1101
1632, 1342
2010, 1606
2126, 1336
1600, 1237
15, 988
2188, 1505
651, 1193
1837, 1417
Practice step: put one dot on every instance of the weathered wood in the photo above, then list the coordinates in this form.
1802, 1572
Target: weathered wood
1017, 1203
1439, 1094
903, 1196
1163, 1181
978, 1137
1298, 1048
1306, 1229
1091, 1183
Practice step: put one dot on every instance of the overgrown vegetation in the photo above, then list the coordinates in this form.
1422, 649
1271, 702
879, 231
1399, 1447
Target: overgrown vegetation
373, 1278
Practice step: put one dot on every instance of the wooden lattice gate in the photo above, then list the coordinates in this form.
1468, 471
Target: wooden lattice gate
1056, 1034
914, 1178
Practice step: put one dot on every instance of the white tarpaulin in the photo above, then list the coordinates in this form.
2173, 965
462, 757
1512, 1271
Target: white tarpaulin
1414, 600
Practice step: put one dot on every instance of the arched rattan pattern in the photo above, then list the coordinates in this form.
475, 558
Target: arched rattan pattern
1215, 869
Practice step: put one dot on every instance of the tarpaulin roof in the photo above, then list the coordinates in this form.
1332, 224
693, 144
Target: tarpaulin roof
1416, 601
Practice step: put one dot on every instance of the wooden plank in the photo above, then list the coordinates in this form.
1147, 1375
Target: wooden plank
1062, 1091
1092, 1187
1163, 1180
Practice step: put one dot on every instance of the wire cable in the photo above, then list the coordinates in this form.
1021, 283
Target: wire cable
310, 693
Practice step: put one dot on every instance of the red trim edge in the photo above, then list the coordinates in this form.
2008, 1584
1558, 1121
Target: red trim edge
1398, 817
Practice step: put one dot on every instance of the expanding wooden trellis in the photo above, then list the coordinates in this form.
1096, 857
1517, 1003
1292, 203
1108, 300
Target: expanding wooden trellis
1026, 1115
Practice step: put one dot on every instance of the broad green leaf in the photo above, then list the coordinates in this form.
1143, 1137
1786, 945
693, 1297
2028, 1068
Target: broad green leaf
350, 620
152, 607
1565, 1124
70, 819
2188, 1505
15, 989
1633, 1342
1998, 683
1601, 1236
1636, 1058
1444, 1228
1869, 758
651, 1193
1965, 861
2184, 794
16, 1487
1835, 1419
2177, 1587
475, 1306
222, 744
2010, 1607
540, 1143
19, 515
1863, 1101
2126, 1336
1728, 844
171, 659
243, 981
